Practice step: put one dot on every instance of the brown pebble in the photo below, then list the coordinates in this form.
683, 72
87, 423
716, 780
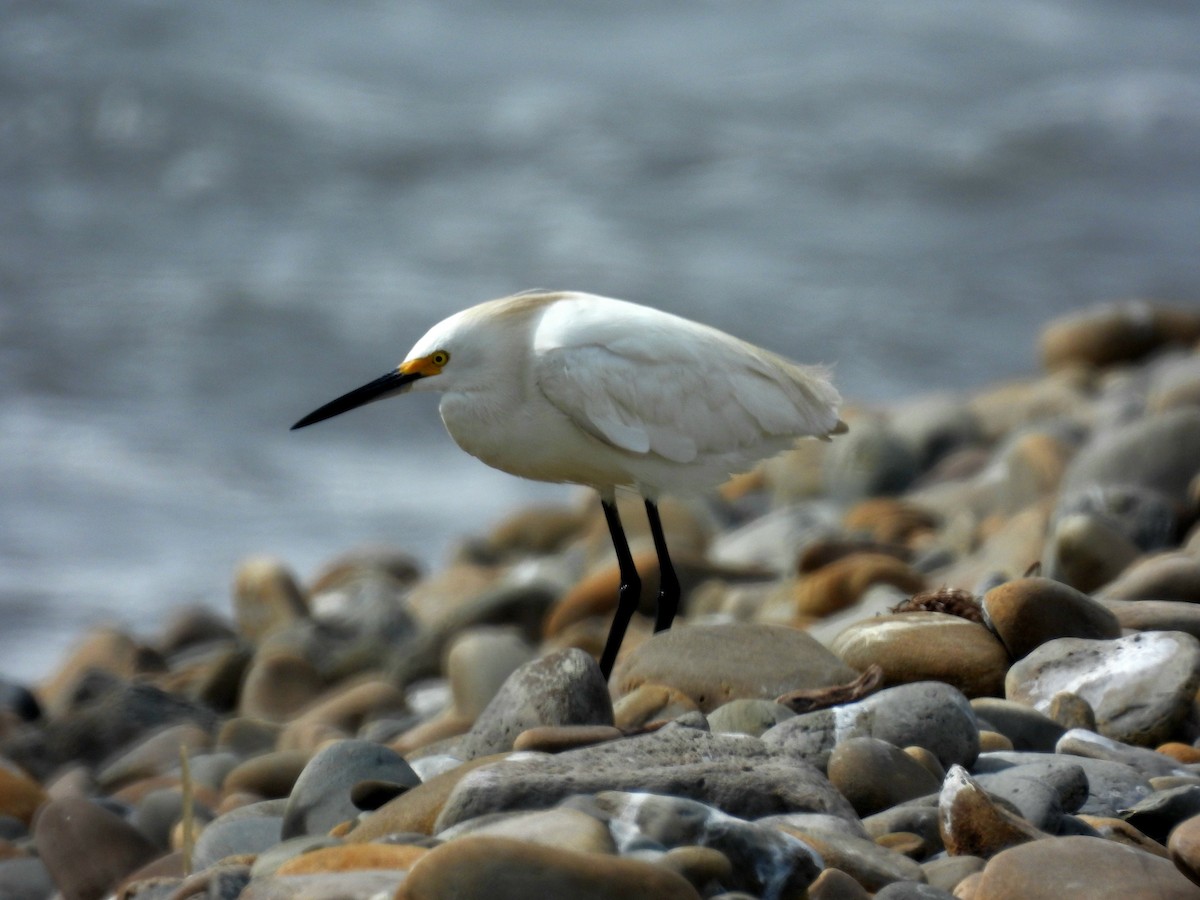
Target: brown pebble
86, 848
278, 684
1058, 867
993, 742
351, 857
1114, 333
840, 584
266, 598
890, 520
506, 869
557, 738
270, 775
649, 703
1184, 846
20, 795
1072, 711
834, 884
1184, 753
1027, 612
905, 842
701, 866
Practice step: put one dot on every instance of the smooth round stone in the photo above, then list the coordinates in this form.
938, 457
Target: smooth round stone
1156, 615
479, 661
764, 860
562, 688
1184, 846
20, 795
973, 824
834, 884
1081, 742
925, 714
321, 796
562, 827
25, 879
506, 869
247, 830
875, 775
927, 646
946, 872
1071, 711
842, 583
1182, 753
270, 775
650, 703
557, 738
703, 867
266, 598
1113, 333
1086, 552
714, 664
278, 684
348, 706
1140, 687
751, 717
1028, 612
86, 848
1157, 452
1165, 576
1054, 868
1027, 728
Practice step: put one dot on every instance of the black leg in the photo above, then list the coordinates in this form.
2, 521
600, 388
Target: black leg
629, 594
668, 581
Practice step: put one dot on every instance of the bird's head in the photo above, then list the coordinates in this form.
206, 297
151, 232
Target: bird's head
450, 356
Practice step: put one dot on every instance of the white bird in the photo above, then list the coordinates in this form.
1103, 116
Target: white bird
575, 388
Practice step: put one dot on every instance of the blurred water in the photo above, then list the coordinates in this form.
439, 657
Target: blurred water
215, 216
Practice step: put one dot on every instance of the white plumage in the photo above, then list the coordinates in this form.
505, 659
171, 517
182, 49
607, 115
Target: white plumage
576, 388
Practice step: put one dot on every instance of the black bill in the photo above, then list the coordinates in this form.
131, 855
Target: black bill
393, 382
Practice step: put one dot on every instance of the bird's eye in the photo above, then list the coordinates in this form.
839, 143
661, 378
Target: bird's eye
440, 358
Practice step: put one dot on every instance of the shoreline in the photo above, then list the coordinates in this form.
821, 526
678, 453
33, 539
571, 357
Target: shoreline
902, 630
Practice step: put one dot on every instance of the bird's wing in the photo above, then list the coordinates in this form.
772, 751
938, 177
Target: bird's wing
649, 382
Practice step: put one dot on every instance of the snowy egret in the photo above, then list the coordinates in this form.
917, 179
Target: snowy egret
575, 388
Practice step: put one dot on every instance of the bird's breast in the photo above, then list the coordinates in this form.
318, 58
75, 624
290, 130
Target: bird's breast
530, 438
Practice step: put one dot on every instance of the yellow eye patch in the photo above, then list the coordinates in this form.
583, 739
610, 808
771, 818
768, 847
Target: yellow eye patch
425, 365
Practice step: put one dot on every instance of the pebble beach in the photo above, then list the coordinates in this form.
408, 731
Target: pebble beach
954, 652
